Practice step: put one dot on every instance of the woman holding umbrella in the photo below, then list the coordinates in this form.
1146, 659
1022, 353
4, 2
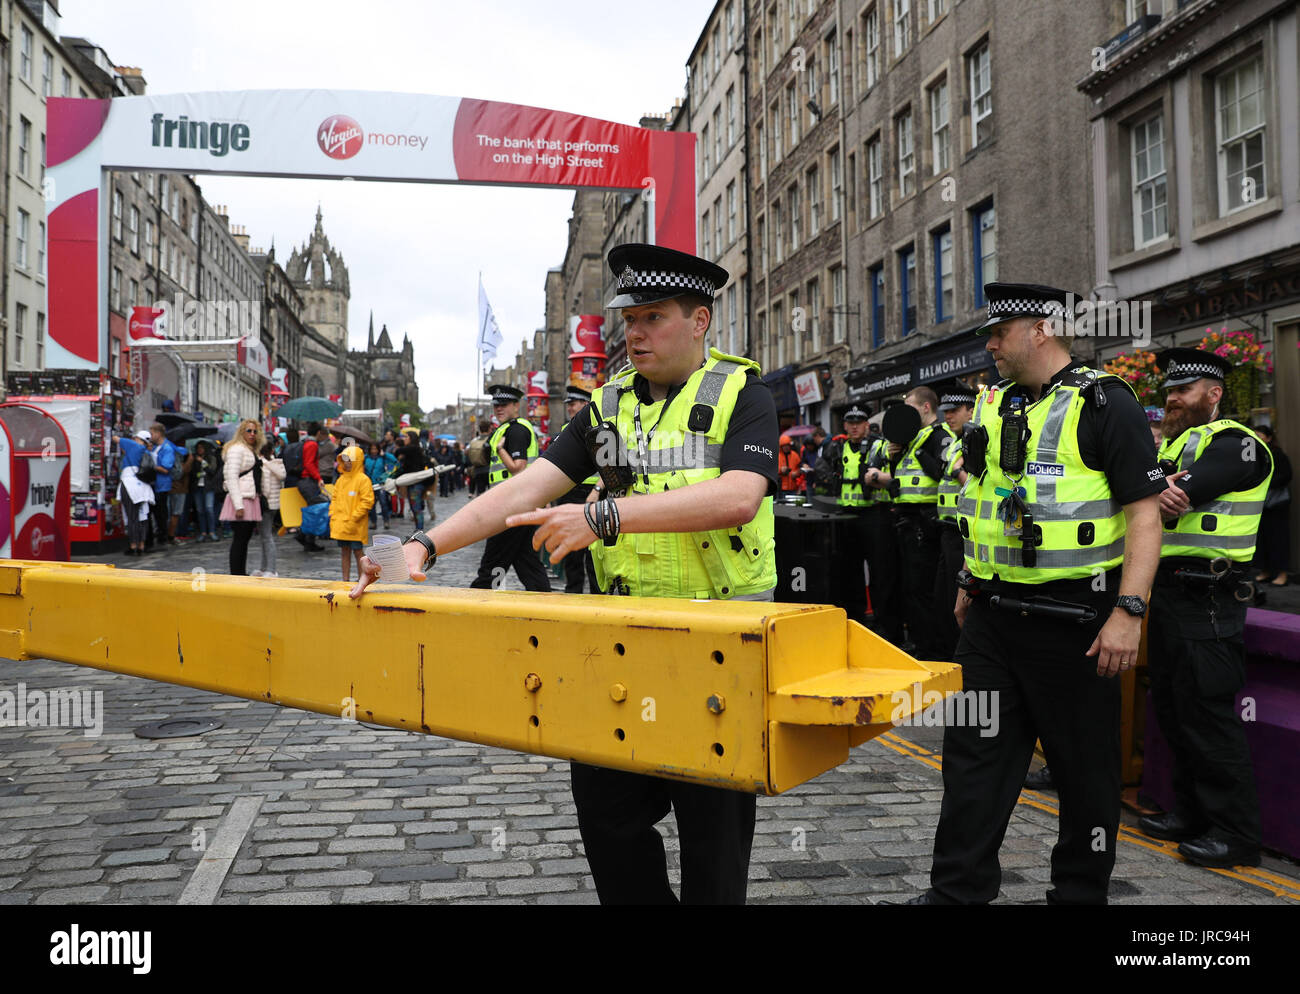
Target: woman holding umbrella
242, 475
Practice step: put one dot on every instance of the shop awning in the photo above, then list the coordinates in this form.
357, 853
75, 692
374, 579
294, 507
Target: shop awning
781, 383
251, 355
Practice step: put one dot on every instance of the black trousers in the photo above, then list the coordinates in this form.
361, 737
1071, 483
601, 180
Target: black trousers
1046, 689
1196, 660
881, 538
512, 547
243, 532
578, 566
951, 559
617, 813
918, 549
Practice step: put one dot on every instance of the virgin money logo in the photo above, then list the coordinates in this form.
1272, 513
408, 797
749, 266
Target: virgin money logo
340, 137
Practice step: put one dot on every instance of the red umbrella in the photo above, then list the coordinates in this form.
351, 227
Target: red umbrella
798, 431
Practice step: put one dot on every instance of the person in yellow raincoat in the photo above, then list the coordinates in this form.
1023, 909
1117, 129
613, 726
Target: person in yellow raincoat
350, 507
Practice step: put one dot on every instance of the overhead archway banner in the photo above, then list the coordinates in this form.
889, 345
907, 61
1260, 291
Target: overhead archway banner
337, 134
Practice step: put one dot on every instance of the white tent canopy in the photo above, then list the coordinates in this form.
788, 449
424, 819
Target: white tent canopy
372, 414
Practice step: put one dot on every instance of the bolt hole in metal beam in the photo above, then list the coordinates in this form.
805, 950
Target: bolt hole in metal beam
534, 720
620, 734
717, 748
717, 657
532, 640
618, 648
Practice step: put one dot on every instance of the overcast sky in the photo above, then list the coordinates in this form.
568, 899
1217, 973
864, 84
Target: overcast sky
413, 251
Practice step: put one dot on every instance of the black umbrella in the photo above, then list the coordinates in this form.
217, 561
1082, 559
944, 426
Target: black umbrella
173, 419
347, 431
186, 430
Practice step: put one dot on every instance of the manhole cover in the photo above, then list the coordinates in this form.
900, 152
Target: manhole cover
176, 728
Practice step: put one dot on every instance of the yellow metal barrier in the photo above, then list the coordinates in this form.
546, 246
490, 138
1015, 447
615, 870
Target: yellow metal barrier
752, 696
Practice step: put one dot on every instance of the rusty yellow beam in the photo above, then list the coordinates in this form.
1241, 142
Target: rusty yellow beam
752, 696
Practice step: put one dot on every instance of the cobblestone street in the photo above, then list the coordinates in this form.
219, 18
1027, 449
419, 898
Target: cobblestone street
310, 809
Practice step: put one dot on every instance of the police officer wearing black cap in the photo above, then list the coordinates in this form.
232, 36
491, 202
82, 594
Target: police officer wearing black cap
1062, 491
685, 443
578, 566
1218, 474
511, 447
956, 405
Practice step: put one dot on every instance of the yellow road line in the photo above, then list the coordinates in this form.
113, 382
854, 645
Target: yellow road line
1274, 883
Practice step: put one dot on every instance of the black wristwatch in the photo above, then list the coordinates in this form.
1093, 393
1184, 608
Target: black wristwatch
1132, 604
431, 553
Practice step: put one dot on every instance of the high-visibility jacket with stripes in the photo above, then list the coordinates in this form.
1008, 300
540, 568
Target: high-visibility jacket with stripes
1226, 526
717, 564
852, 492
496, 468
949, 486
1077, 523
878, 454
914, 485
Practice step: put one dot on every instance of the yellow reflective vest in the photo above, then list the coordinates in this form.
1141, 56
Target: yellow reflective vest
914, 486
496, 468
852, 492
1226, 526
683, 445
949, 486
1078, 525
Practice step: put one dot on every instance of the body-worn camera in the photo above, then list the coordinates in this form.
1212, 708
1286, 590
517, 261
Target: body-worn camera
605, 447
974, 448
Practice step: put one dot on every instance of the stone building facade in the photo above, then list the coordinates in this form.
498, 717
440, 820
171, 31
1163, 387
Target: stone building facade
715, 111
1195, 110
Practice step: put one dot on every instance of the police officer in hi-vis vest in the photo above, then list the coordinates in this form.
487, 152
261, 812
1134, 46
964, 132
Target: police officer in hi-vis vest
511, 447
956, 407
578, 566
849, 459
1218, 474
691, 435
1061, 528
912, 479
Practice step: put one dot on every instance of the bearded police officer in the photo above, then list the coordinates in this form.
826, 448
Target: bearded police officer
511, 447
692, 436
1062, 490
578, 566
1218, 473
956, 407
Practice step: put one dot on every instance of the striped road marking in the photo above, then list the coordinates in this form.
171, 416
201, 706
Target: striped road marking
1274, 883
205, 883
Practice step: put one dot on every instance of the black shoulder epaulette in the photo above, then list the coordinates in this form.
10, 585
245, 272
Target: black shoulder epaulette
1089, 381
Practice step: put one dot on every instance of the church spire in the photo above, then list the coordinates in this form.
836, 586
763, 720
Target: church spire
370, 340
319, 228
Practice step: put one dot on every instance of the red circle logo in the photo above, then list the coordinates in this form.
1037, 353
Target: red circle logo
340, 137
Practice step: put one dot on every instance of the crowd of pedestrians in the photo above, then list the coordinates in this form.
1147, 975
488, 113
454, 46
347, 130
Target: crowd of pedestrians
173, 493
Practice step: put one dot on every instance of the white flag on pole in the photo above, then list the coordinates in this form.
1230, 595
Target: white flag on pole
489, 335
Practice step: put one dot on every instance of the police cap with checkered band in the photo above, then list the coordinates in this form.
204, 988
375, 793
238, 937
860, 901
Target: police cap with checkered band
1182, 366
1021, 300
646, 274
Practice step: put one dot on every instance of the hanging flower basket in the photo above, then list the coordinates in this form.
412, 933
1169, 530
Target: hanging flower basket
1249, 360
1140, 371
